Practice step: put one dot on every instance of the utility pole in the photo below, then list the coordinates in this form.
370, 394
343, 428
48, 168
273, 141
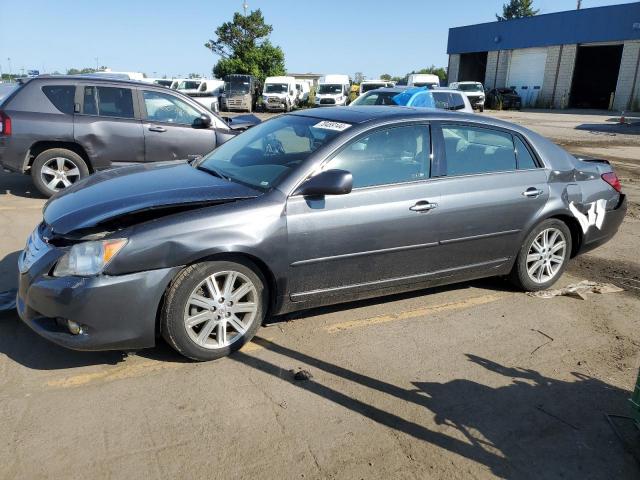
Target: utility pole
97, 65
579, 4
245, 5
9, 60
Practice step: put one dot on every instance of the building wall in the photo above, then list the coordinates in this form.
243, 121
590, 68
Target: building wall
497, 68
454, 68
558, 76
628, 67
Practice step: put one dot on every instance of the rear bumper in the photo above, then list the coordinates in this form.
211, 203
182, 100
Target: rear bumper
116, 312
593, 238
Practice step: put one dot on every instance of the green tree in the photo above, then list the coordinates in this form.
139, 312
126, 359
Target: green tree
517, 9
82, 71
385, 76
243, 47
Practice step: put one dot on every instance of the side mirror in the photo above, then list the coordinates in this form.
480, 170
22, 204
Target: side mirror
203, 121
329, 182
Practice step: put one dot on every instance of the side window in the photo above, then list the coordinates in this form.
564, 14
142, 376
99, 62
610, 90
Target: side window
115, 102
472, 150
108, 102
457, 102
525, 158
394, 155
163, 107
90, 102
62, 96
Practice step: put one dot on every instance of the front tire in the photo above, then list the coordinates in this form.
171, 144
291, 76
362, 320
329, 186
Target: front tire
213, 309
56, 169
543, 257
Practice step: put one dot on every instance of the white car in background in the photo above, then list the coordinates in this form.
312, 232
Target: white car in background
367, 85
474, 91
280, 93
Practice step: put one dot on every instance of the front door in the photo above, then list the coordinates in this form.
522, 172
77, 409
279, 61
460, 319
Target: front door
169, 131
382, 234
491, 189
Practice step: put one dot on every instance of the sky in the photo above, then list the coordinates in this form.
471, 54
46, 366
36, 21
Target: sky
166, 37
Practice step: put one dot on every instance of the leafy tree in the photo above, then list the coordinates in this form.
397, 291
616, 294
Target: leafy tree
517, 9
244, 47
385, 76
81, 71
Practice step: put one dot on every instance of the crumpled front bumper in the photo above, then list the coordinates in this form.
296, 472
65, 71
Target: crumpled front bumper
115, 312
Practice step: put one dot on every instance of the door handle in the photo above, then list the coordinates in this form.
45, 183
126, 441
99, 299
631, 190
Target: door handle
423, 206
532, 192
154, 128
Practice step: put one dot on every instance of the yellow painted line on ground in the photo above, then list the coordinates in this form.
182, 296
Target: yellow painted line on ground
420, 312
127, 369
26, 207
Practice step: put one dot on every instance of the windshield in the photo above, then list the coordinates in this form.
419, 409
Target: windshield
375, 98
371, 86
470, 87
275, 88
330, 88
237, 85
188, 85
264, 155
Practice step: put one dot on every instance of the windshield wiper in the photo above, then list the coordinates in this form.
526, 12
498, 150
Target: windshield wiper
214, 172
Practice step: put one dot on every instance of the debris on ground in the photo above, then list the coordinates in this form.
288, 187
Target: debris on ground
301, 375
8, 300
578, 290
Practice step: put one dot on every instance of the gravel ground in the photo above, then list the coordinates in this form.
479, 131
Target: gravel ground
467, 381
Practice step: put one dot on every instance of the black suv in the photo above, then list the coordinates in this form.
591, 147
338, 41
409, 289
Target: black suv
62, 128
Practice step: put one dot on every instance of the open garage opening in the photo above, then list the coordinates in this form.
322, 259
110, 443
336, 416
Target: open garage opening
473, 67
595, 76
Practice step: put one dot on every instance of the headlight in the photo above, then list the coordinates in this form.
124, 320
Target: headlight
88, 258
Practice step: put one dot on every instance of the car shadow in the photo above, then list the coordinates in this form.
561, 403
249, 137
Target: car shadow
25, 347
610, 128
18, 185
532, 427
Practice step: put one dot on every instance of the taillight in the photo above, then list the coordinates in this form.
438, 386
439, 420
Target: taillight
612, 179
5, 124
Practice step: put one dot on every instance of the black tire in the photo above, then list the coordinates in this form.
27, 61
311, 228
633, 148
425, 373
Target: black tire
70, 159
481, 108
173, 326
519, 275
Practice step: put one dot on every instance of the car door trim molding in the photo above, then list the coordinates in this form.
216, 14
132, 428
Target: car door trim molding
302, 296
478, 237
311, 261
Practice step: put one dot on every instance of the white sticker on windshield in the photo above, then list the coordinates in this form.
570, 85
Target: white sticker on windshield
337, 126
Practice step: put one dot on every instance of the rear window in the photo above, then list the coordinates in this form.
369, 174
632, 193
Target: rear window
61, 96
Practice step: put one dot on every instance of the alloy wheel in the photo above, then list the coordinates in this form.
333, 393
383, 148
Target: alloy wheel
546, 255
59, 172
221, 309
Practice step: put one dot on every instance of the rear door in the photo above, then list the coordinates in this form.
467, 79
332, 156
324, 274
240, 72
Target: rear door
108, 124
492, 187
169, 128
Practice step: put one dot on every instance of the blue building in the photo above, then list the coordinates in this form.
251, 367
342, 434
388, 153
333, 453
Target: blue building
585, 58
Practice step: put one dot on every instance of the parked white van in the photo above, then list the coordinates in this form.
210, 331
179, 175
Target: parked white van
333, 90
367, 85
303, 88
208, 93
279, 93
428, 80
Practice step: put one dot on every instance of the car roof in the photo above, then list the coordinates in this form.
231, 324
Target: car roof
372, 113
92, 78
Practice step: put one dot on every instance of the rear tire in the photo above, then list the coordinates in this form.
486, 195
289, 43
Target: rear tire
543, 257
205, 317
56, 169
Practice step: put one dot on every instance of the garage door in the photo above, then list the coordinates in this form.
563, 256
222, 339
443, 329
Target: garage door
526, 72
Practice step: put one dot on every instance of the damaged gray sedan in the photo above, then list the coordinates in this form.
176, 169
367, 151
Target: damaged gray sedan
307, 209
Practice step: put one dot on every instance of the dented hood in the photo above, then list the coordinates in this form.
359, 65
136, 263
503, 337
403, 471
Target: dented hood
115, 193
